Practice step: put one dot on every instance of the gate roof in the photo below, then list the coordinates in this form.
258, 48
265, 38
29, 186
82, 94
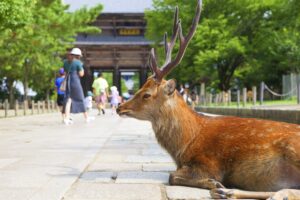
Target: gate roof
113, 6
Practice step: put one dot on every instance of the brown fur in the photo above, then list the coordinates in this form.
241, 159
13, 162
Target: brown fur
249, 154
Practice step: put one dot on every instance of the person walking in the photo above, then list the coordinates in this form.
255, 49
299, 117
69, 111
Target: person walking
74, 97
181, 90
60, 94
114, 101
100, 89
194, 98
88, 101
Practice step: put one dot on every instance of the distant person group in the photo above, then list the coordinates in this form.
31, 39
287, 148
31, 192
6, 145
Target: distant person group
100, 88
71, 98
70, 95
191, 98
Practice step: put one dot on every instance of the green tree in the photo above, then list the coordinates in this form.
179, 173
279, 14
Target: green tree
244, 40
15, 14
275, 46
32, 53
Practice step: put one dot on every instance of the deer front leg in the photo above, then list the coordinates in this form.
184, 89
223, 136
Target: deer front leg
223, 193
186, 177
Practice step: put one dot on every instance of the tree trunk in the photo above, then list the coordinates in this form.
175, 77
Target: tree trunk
226, 71
25, 84
11, 91
48, 94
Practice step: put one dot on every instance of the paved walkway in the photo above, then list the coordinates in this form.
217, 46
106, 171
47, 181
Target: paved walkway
110, 158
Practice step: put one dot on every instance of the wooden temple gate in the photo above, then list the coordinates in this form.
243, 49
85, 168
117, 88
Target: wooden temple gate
120, 47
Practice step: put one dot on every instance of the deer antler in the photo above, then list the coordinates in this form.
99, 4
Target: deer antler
183, 42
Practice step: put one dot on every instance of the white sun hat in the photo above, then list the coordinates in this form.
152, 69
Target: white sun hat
113, 88
76, 51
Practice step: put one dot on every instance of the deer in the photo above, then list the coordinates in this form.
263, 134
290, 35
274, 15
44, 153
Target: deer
233, 157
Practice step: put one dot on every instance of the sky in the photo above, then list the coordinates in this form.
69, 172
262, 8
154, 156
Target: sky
112, 6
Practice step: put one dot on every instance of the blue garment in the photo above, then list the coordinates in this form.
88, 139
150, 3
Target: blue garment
74, 89
58, 82
74, 66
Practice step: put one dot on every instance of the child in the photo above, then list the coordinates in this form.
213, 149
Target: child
88, 101
114, 98
60, 94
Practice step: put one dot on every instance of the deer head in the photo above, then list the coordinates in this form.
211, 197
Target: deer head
158, 93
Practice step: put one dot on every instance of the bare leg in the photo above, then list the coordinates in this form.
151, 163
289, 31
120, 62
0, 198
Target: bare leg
184, 177
85, 114
99, 108
68, 108
102, 108
62, 113
113, 109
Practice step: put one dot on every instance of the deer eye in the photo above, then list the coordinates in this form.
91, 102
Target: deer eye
146, 96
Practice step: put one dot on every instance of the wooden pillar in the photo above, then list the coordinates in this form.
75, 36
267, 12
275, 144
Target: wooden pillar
16, 107
261, 95
38, 107
229, 97
54, 105
85, 80
217, 99
117, 77
114, 26
254, 95
6, 108
25, 106
43, 104
298, 90
202, 94
32, 107
244, 96
210, 98
238, 97
48, 105
223, 98
143, 75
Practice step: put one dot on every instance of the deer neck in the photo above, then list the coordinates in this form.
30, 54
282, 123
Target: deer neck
175, 126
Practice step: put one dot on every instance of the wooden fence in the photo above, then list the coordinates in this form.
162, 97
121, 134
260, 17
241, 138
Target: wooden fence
240, 97
27, 108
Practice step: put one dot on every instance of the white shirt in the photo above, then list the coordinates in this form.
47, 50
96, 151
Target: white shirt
88, 102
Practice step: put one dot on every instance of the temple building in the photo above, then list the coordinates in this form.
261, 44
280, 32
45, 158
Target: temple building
121, 48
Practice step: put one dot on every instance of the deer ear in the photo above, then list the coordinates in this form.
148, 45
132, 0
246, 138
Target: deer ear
170, 87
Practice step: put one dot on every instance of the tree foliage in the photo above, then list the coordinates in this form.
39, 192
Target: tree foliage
34, 37
236, 41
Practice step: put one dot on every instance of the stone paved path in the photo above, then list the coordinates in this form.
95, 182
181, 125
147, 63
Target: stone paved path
110, 158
